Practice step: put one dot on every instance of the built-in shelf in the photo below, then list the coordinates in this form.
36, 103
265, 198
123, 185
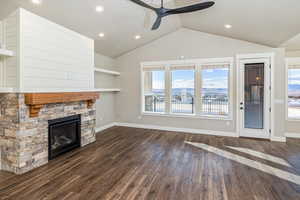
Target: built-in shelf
108, 89
5, 52
105, 71
56, 90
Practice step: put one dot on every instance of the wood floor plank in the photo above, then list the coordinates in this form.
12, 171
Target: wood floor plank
141, 164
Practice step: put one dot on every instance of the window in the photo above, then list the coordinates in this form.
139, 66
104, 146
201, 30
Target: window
154, 90
214, 91
198, 88
293, 92
183, 90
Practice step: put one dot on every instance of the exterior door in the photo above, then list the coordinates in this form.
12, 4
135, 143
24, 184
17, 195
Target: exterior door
254, 96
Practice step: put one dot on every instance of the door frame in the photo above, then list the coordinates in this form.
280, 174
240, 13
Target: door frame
239, 58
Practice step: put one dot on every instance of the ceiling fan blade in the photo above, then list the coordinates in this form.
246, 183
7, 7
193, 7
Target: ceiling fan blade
141, 3
150, 17
156, 23
191, 8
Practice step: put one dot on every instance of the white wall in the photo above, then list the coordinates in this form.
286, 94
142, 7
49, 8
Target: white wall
1, 58
191, 44
47, 55
11, 33
106, 104
291, 54
53, 56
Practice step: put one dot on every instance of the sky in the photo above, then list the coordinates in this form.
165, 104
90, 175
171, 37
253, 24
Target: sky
294, 76
213, 78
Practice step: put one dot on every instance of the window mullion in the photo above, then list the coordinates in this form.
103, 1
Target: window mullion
198, 88
168, 86
230, 90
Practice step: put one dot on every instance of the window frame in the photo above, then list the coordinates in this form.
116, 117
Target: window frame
171, 87
198, 84
289, 62
142, 88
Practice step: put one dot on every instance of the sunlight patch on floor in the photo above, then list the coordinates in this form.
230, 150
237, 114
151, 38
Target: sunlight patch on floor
261, 155
250, 163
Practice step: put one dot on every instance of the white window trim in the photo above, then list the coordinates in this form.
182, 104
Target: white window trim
193, 62
289, 61
170, 91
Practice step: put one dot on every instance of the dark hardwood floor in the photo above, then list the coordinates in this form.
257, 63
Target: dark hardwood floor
127, 163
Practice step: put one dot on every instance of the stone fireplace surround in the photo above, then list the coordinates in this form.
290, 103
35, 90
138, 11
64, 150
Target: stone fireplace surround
24, 134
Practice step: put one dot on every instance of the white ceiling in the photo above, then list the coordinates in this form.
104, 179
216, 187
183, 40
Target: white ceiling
268, 22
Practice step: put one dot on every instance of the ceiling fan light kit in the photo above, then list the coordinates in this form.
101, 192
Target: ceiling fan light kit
163, 12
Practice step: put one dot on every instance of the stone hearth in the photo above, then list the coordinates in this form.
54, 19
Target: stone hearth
24, 139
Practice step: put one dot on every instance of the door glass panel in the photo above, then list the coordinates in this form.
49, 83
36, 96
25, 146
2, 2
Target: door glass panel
254, 96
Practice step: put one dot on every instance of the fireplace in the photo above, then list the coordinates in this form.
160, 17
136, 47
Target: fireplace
64, 135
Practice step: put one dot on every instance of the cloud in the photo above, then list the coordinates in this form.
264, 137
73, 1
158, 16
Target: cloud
294, 76
215, 70
207, 83
181, 83
158, 84
294, 82
215, 83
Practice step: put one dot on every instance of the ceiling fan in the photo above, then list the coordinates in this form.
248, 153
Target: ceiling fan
163, 12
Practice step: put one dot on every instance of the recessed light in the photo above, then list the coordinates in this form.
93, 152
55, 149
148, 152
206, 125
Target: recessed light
228, 26
137, 37
36, 1
99, 9
101, 34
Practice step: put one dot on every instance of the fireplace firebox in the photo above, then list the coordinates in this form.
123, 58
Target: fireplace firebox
64, 135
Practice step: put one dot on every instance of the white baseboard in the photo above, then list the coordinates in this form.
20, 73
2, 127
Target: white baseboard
186, 130
98, 129
292, 135
278, 139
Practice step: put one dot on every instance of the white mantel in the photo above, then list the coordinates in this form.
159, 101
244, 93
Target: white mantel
56, 90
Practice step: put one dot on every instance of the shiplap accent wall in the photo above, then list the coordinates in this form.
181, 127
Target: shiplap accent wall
11, 39
53, 56
1, 58
48, 56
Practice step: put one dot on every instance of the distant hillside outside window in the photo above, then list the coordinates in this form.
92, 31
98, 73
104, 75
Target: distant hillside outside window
194, 88
183, 91
214, 91
154, 91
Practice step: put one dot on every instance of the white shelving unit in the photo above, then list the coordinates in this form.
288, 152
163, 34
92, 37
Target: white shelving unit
107, 89
51, 90
108, 72
5, 52
105, 71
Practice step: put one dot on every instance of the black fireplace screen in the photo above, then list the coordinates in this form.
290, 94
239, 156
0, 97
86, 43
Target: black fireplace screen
64, 135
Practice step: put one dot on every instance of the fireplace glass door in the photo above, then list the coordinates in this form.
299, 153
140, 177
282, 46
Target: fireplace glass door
64, 135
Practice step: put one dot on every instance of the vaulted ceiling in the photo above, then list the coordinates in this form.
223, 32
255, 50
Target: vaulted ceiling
266, 22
